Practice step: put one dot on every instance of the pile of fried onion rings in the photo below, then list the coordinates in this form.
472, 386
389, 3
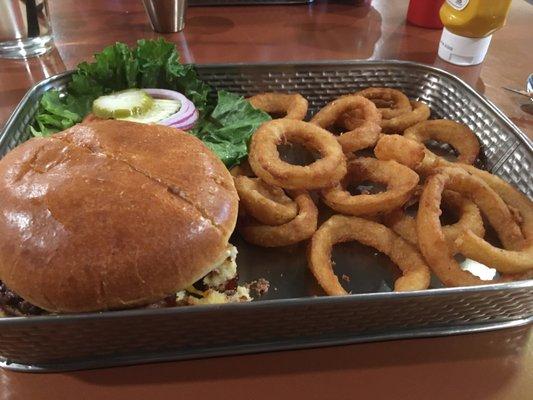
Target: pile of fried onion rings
279, 200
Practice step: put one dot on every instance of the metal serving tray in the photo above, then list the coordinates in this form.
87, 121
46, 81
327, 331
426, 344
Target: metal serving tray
293, 314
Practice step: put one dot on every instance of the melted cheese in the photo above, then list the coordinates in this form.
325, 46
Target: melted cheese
224, 272
213, 297
215, 281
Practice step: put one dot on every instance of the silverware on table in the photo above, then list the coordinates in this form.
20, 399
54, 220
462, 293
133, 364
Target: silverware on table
529, 88
166, 16
521, 92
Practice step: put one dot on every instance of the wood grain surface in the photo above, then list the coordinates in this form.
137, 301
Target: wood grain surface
321, 31
494, 365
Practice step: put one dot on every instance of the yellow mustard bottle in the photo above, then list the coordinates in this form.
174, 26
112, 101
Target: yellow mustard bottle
468, 28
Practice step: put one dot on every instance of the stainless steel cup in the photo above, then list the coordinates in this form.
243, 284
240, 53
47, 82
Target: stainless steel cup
25, 29
166, 16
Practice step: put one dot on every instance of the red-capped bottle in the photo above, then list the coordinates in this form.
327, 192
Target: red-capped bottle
425, 13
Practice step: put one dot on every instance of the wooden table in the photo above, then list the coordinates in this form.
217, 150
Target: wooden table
322, 31
497, 365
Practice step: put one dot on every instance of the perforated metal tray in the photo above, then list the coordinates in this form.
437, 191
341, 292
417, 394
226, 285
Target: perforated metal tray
293, 314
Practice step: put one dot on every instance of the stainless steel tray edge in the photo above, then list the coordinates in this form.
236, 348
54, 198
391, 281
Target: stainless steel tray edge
501, 315
255, 349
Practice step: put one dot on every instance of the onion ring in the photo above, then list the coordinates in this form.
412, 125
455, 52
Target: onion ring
339, 228
517, 277
469, 218
410, 153
400, 180
459, 136
520, 256
300, 228
266, 203
243, 169
293, 106
431, 239
398, 102
517, 254
265, 160
420, 112
397, 148
359, 137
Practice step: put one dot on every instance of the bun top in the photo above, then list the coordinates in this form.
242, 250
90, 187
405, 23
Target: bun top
111, 214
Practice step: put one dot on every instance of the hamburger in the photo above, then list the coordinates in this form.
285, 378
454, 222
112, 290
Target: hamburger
111, 215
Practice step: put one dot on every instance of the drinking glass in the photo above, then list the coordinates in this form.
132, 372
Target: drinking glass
25, 29
166, 16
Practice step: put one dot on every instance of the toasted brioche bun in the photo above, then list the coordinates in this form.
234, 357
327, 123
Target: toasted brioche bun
111, 214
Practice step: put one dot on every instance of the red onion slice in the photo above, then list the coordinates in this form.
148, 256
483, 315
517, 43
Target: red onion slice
187, 123
185, 117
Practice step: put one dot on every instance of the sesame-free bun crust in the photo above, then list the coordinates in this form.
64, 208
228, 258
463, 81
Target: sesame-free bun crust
110, 215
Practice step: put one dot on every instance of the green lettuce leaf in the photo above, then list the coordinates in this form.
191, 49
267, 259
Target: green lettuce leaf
55, 114
151, 64
225, 125
228, 128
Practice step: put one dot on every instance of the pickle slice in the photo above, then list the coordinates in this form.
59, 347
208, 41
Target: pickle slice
161, 110
123, 104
